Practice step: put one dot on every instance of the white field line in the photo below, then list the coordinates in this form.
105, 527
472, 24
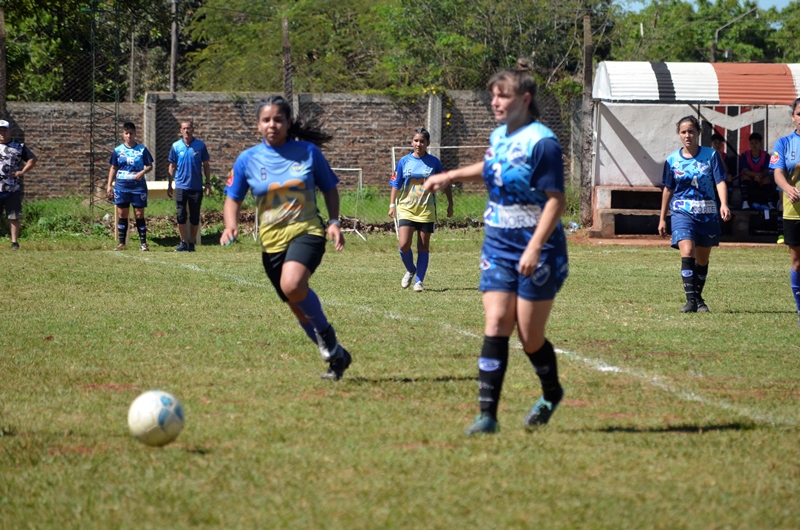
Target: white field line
594, 364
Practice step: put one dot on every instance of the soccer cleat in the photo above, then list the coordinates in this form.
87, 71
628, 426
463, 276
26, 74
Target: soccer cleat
191, 247
780, 239
418, 288
406, 281
338, 365
14, 246
541, 412
121, 246
144, 247
701, 306
745, 205
183, 247
690, 306
483, 424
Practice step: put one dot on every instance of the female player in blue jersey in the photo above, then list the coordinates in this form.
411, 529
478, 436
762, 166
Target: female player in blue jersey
282, 172
785, 161
524, 255
416, 207
129, 162
690, 175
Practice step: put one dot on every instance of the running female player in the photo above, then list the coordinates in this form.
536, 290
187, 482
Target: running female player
690, 175
524, 256
416, 209
282, 173
784, 161
129, 162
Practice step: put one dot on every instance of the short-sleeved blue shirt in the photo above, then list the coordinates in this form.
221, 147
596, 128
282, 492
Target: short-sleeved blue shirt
518, 171
693, 181
188, 160
129, 161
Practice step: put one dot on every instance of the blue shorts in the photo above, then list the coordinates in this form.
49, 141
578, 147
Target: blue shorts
135, 198
498, 274
705, 234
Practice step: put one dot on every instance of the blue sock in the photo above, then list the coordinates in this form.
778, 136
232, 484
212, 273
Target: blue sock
796, 287
408, 260
422, 264
312, 309
309, 329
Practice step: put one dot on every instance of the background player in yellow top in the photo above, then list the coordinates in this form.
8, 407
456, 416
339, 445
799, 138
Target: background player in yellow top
414, 207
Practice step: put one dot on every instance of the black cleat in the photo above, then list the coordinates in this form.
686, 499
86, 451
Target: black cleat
338, 365
541, 412
701, 306
690, 307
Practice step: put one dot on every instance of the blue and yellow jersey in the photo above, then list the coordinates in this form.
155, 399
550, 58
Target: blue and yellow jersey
129, 161
693, 182
518, 170
786, 156
414, 203
282, 180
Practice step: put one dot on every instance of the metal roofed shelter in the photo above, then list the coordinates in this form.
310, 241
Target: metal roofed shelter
637, 105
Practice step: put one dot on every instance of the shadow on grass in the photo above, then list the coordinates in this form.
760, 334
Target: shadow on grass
381, 380
690, 429
446, 289
170, 241
746, 312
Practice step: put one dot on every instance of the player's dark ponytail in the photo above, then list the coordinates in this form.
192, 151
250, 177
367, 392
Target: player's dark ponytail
302, 127
520, 80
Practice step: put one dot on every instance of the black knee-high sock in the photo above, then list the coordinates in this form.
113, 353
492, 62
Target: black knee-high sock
544, 362
491, 371
700, 273
687, 276
122, 230
141, 227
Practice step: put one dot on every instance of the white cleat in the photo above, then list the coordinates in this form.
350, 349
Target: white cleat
406, 281
418, 287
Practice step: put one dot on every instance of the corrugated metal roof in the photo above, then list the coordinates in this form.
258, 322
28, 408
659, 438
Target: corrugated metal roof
722, 83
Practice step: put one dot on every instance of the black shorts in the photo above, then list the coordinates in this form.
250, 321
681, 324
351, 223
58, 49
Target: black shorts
194, 199
11, 203
306, 249
791, 232
416, 225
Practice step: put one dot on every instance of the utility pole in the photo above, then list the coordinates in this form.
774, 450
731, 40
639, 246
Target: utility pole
173, 60
3, 87
288, 91
586, 126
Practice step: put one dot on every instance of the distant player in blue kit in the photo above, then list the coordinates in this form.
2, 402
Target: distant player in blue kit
524, 257
416, 207
129, 162
785, 161
282, 173
690, 175
188, 162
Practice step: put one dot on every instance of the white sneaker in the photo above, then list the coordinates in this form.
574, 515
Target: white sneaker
418, 287
407, 280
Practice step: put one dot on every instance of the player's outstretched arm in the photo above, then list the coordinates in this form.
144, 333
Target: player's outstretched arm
230, 213
441, 181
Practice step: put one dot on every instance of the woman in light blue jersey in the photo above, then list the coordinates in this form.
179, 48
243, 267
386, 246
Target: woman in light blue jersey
282, 172
785, 161
690, 176
524, 256
416, 208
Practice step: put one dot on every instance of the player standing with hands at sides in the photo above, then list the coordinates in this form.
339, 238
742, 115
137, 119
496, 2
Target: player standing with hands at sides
690, 175
416, 209
785, 162
524, 256
129, 162
188, 162
282, 173
15, 161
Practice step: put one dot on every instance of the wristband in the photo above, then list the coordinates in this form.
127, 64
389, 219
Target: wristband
391, 205
335, 222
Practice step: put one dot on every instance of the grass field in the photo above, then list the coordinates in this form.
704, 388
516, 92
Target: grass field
669, 421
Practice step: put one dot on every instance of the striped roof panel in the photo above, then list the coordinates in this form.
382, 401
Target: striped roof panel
720, 83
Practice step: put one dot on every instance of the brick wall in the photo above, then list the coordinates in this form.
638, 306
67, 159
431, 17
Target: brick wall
365, 128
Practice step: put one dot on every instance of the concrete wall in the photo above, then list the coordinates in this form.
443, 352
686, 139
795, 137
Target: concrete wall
633, 140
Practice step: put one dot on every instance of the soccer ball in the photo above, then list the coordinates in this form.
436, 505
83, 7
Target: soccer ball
155, 418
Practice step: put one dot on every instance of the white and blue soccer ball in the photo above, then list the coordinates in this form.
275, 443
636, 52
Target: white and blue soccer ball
155, 418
